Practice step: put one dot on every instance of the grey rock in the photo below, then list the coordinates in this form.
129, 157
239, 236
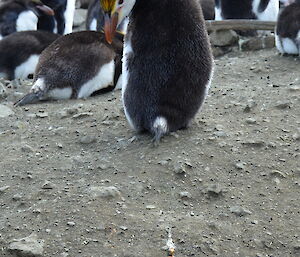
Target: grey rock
87, 140
48, 185
283, 105
240, 165
185, 195
104, 191
179, 168
240, 211
150, 207
71, 223
4, 188
27, 149
251, 121
29, 246
79, 17
42, 115
3, 91
251, 44
223, 38
5, 111
214, 190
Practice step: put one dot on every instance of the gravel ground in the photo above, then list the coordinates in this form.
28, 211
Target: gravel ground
75, 181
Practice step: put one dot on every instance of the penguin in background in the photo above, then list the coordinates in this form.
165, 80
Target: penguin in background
20, 52
62, 21
76, 66
167, 62
21, 15
264, 10
287, 32
95, 18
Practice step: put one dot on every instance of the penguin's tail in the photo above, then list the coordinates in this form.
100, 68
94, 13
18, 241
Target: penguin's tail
159, 129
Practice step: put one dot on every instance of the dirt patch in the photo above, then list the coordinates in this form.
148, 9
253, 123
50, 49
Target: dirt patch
73, 173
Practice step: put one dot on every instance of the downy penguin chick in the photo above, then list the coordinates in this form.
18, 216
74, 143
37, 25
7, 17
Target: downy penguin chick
19, 52
167, 62
75, 66
264, 10
21, 15
287, 35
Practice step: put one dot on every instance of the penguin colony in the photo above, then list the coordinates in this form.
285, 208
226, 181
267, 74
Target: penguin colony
166, 64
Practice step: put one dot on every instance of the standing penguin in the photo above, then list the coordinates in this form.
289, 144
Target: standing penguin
264, 10
21, 15
19, 52
75, 66
62, 21
167, 62
287, 35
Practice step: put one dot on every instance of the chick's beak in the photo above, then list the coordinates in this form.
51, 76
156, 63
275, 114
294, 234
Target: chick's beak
110, 26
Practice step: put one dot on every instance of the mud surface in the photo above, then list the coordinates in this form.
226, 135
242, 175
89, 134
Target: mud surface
75, 175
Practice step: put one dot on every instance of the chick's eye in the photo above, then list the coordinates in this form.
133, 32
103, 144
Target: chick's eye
121, 1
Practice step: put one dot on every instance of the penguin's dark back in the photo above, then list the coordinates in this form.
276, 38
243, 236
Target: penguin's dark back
288, 24
172, 57
17, 47
236, 9
74, 59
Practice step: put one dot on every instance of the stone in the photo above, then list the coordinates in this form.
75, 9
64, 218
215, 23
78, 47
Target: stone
5, 111
251, 121
268, 42
3, 91
79, 17
150, 207
27, 149
48, 185
4, 188
214, 190
104, 191
251, 44
283, 105
87, 140
179, 168
240, 211
223, 38
240, 165
29, 246
185, 194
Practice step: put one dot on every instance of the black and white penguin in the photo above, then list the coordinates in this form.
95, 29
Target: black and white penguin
62, 21
19, 53
287, 36
264, 10
75, 66
95, 18
167, 62
21, 15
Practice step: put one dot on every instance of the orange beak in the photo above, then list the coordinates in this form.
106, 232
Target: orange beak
110, 26
45, 9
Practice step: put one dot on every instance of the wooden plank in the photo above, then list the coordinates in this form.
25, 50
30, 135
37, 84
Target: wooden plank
240, 25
